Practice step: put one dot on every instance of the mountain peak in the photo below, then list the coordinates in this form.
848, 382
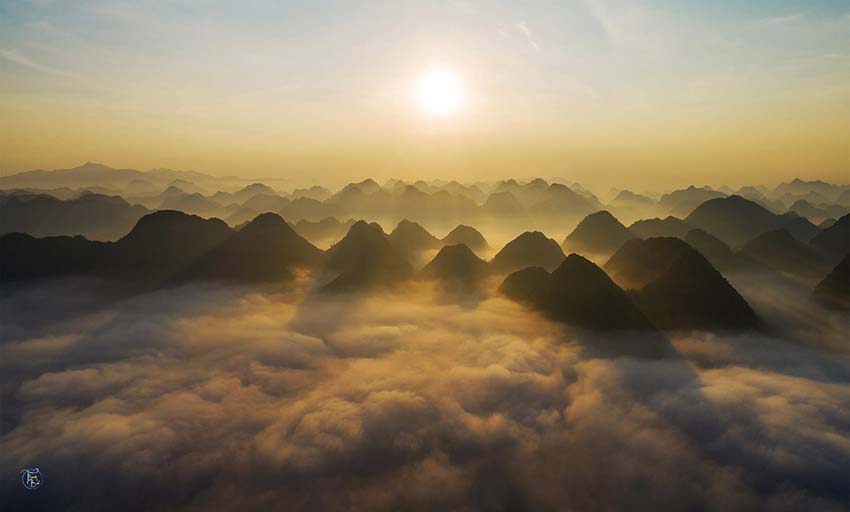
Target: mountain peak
530, 249
599, 232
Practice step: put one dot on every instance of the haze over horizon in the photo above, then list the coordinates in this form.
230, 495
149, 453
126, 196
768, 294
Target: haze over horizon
660, 93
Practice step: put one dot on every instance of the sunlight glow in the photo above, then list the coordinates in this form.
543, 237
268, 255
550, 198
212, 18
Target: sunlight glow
439, 93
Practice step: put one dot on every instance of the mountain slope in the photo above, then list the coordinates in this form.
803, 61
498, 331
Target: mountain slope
266, 249
409, 239
530, 249
578, 293
467, 236
599, 232
782, 252
836, 238
365, 259
834, 289
734, 220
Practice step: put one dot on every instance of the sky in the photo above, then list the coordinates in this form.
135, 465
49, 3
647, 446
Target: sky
654, 93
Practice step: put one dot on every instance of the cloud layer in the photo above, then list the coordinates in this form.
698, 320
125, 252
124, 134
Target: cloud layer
224, 398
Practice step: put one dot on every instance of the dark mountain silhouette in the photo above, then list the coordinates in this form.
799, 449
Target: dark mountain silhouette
577, 292
94, 216
266, 249
815, 213
718, 253
836, 238
834, 289
734, 220
640, 261
328, 228
457, 269
677, 288
467, 236
669, 226
530, 249
599, 233
24, 257
410, 239
780, 251
799, 227
682, 202
365, 259
827, 223
163, 244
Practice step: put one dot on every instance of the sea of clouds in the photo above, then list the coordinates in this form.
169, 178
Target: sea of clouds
230, 398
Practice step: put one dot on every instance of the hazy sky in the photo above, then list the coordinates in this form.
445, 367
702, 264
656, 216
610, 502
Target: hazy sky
593, 90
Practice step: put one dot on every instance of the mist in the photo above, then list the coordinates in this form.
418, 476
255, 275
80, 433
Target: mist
247, 398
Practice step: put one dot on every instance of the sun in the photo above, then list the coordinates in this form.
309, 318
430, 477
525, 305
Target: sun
439, 93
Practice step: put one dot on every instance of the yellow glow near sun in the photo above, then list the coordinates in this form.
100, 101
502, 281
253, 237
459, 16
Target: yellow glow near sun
439, 93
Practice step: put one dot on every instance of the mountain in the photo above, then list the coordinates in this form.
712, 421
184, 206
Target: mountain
836, 238
815, 213
718, 253
410, 239
640, 261
315, 192
163, 244
160, 246
196, 204
800, 228
834, 289
598, 233
627, 197
240, 216
503, 204
578, 293
249, 191
530, 249
467, 236
782, 252
800, 187
266, 249
558, 200
328, 228
365, 259
825, 223
94, 216
24, 257
223, 198
88, 174
682, 202
669, 226
734, 220
677, 287
457, 269
266, 202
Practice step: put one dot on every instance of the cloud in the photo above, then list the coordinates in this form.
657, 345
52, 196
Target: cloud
239, 399
529, 35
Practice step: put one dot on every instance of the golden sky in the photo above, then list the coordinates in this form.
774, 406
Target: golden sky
656, 93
